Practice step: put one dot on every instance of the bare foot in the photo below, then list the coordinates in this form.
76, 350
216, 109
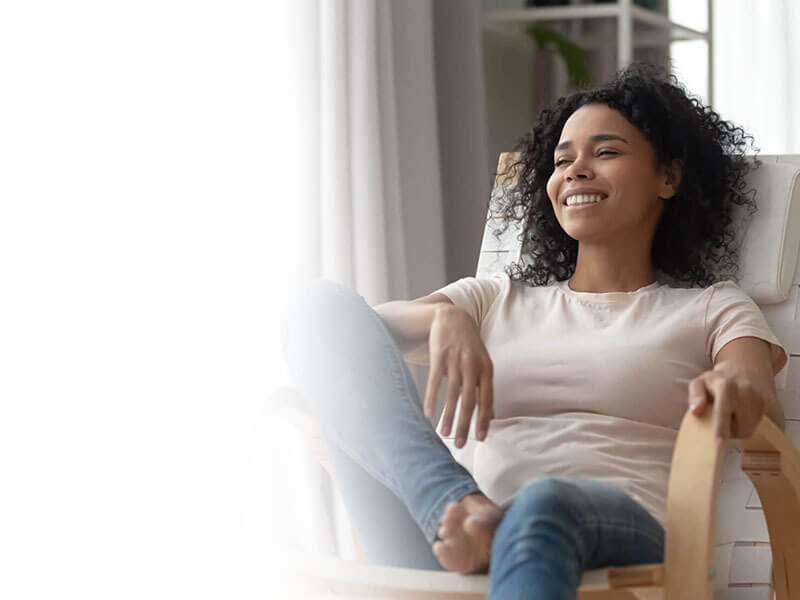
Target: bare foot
465, 534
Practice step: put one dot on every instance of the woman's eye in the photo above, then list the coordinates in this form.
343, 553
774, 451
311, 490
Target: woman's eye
601, 153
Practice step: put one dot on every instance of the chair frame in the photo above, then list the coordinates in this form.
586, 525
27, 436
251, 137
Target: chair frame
769, 459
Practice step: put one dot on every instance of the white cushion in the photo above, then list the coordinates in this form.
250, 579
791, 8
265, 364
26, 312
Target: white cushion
768, 257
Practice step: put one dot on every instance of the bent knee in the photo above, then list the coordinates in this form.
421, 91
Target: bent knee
544, 512
551, 496
313, 308
310, 299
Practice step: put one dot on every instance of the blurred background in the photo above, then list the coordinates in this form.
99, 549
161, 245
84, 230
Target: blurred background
168, 170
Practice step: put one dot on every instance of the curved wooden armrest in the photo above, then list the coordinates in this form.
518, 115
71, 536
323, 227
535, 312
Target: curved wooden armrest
771, 462
768, 457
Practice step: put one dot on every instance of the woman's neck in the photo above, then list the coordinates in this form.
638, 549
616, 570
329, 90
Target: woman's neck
602, 269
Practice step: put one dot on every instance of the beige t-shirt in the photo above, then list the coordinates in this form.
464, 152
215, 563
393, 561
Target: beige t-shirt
595, 384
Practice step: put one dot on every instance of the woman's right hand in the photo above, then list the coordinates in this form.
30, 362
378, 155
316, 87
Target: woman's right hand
457, 352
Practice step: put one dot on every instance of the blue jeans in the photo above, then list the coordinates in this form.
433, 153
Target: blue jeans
396, 476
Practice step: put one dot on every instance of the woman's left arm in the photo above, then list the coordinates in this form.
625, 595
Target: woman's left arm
740, 388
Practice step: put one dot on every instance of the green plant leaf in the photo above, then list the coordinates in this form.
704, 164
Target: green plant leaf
573, 55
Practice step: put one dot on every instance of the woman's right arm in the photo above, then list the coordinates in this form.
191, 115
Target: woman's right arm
409, 321
446, 337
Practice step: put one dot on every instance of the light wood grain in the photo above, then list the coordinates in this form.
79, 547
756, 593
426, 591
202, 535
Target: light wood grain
769, 459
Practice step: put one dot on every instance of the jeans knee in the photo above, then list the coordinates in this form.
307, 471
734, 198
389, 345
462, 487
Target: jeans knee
541, 504
541, 510
545, 496
312, 308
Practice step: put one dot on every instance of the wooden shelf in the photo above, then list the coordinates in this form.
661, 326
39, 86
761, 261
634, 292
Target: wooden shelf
650, 26
635, 26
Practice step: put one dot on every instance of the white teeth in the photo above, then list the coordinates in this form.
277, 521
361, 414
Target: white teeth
583, 199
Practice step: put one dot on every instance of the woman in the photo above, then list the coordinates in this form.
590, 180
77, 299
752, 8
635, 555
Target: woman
574, 369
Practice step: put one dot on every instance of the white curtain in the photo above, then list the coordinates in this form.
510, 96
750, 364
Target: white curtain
757, 70
168, 169
157, 157
373, 163
756, 66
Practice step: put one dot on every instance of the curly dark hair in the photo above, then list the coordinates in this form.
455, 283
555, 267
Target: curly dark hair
695, 243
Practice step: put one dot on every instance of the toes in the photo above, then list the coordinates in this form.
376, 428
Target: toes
450, 556
451, 520
454, 512
480, 523
444, 552
483, 521
474, 526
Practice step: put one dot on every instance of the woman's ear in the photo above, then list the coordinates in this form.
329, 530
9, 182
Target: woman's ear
672, 175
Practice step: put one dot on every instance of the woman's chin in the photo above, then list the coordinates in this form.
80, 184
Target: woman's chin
586, 234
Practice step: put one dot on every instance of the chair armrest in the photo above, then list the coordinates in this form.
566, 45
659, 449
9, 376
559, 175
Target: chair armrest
771, 462
691, 509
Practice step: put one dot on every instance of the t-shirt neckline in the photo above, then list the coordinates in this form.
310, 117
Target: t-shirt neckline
605, 297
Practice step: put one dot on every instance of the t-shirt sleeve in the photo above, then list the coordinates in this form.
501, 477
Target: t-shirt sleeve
732, 314
475, 295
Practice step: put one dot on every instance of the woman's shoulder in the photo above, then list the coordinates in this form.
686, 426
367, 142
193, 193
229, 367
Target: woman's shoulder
727, 286
721, 291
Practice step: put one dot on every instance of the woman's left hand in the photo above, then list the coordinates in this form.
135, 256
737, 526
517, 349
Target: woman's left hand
737, 397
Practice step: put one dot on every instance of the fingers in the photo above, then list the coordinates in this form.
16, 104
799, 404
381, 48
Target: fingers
485, 404
467, 408
709, 388
737, 403
453, 388
432, 389
725, 397
698, 395
472, 380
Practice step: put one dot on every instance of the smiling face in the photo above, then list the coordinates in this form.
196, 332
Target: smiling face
601, 154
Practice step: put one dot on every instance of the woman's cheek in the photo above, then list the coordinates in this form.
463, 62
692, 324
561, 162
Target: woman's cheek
551, 189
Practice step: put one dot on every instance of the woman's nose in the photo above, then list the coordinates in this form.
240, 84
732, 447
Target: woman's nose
578, 170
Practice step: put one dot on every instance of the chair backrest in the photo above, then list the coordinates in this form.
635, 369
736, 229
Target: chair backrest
770, 241
768, 273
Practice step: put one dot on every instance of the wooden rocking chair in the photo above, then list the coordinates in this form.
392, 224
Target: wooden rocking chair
769, 458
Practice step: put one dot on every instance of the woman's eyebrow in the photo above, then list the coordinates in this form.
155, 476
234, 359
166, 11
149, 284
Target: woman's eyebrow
600, 137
